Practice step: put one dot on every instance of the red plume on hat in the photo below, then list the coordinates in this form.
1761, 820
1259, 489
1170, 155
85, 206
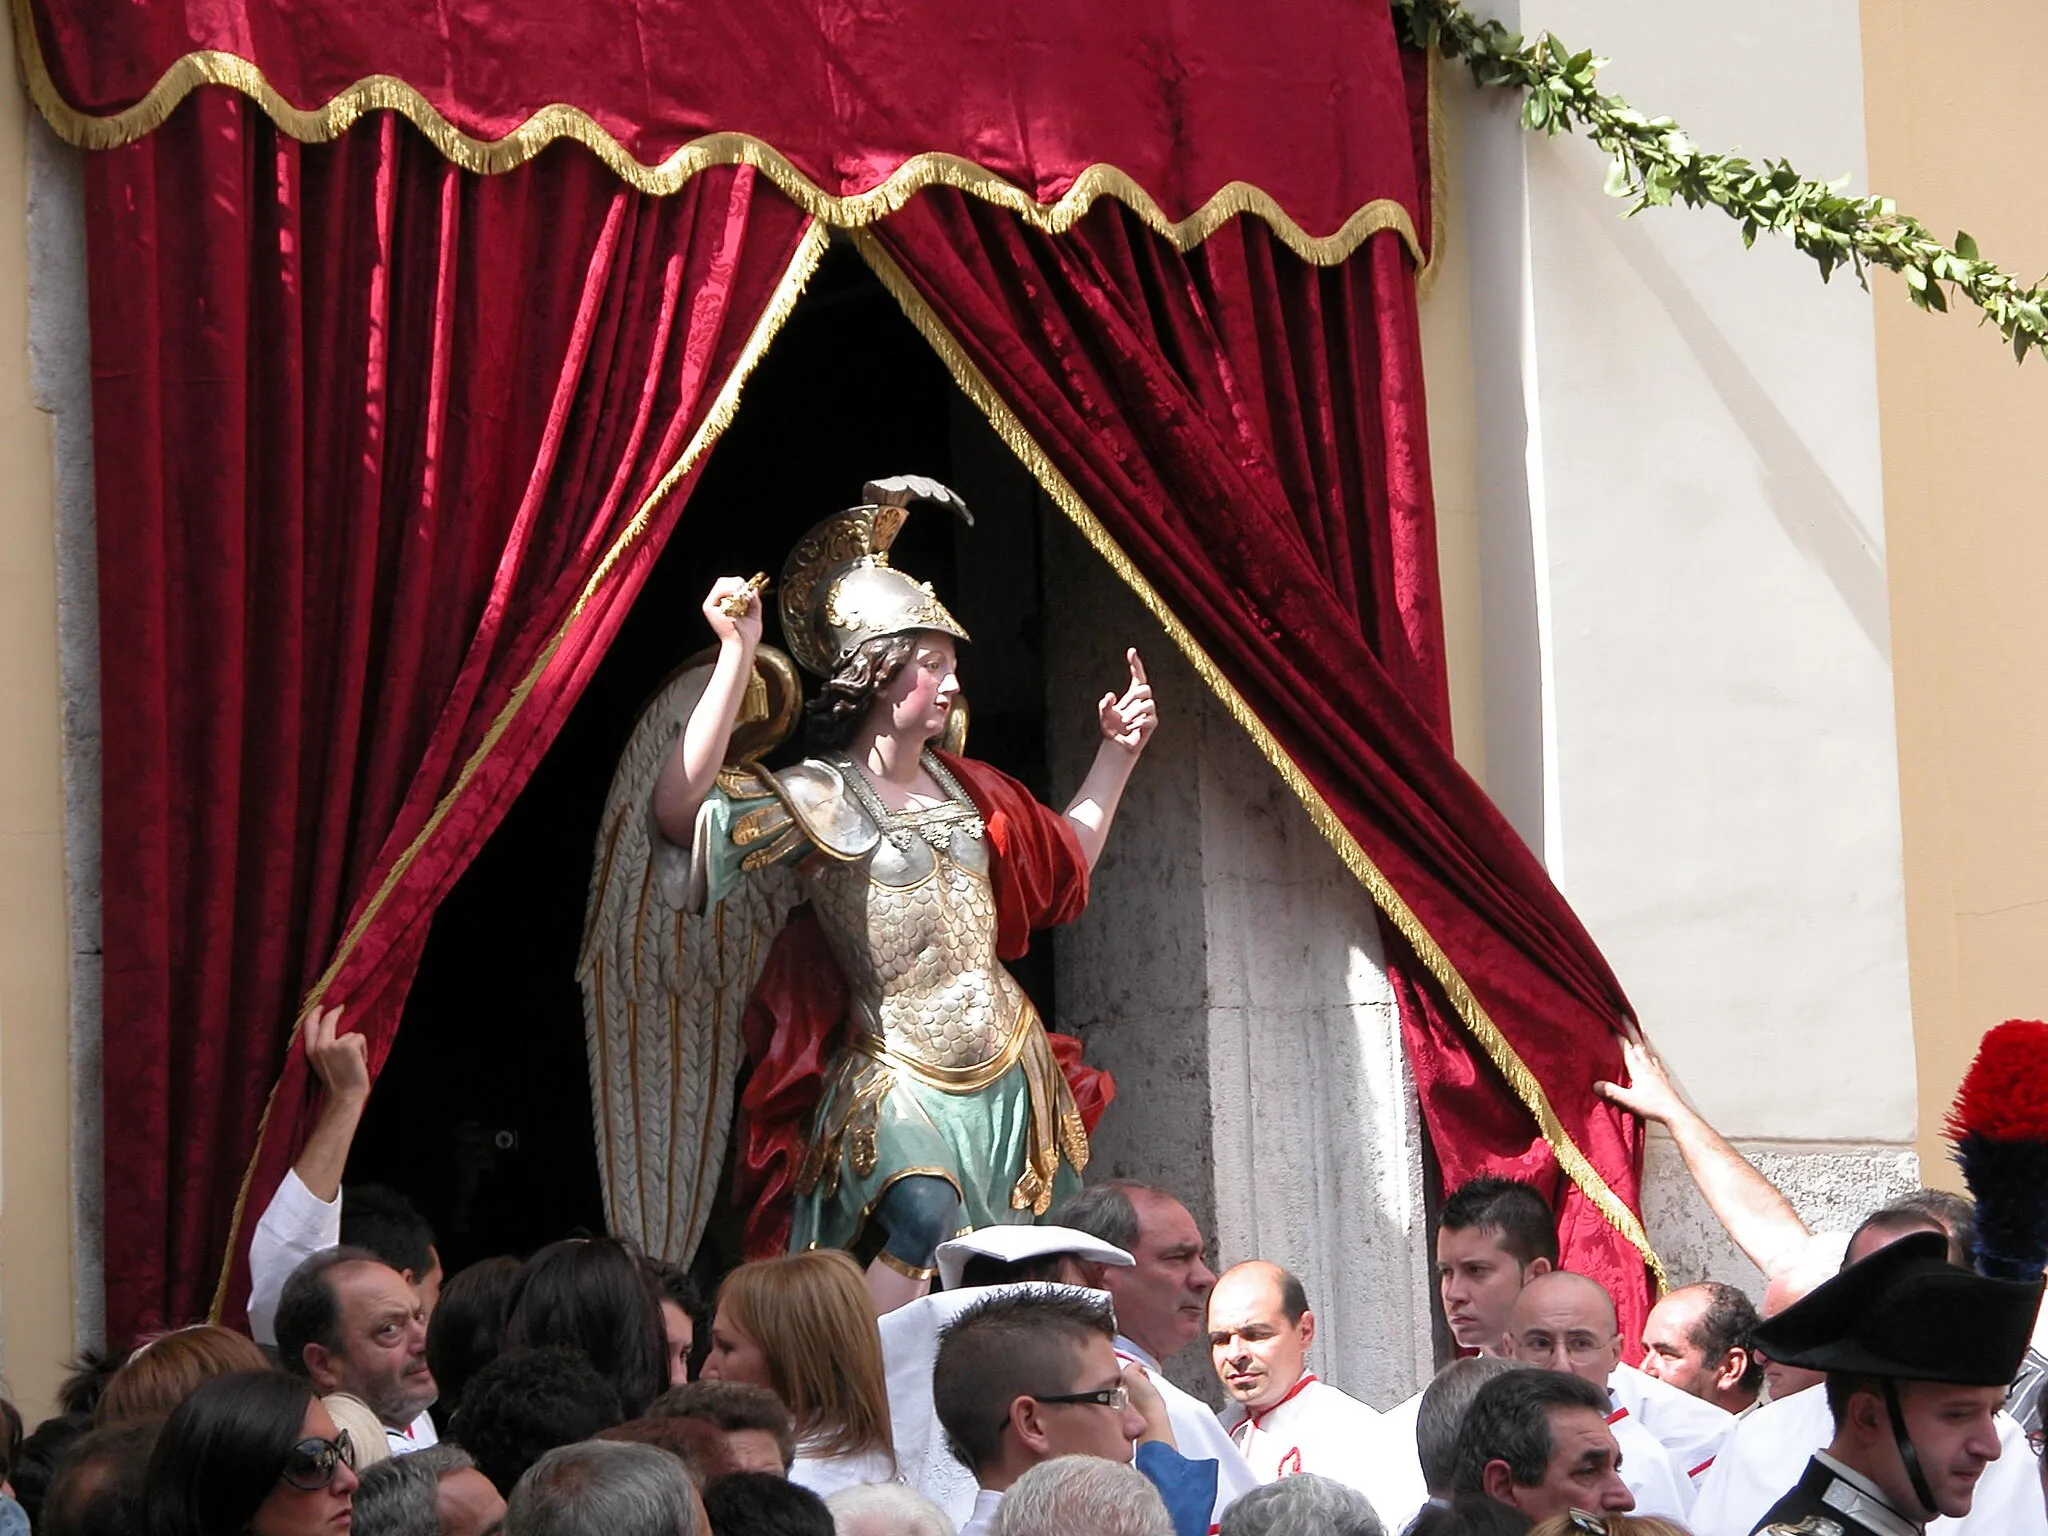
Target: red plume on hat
1999, 1127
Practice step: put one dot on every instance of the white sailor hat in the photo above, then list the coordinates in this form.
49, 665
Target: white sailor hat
1014, 1244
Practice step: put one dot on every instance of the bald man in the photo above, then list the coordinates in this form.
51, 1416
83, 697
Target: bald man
1566, 1322
1282, 1418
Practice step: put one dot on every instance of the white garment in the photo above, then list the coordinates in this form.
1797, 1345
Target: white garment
1692, 1429
826, 1475
416, 1436
295, 1225
1315, 1428
1659, 1484
1767, 1455
1197, 1433
1393, 1466
983, 1518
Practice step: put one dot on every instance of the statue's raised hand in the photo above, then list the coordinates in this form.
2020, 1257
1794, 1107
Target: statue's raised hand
1130, 720
733, 610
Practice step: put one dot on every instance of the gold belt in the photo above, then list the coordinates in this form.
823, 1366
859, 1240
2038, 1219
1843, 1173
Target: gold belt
971, 1079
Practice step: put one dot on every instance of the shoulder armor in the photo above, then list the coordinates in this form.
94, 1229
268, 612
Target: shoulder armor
1812, 1525
816, 797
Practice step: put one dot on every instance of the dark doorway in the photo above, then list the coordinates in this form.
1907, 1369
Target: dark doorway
482, 1114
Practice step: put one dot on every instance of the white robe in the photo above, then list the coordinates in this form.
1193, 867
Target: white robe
1660, 1486
1393, 1466
1197, 1433
1692, 1429
1769, 1450
1315, 1428
981, 1513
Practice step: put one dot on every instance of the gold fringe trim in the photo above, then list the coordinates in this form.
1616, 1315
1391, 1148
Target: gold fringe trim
383, 93
1439, 179
1499, 1050
809, 252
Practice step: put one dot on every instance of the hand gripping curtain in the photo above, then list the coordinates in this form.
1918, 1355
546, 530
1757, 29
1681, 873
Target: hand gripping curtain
382, 449
1244, 434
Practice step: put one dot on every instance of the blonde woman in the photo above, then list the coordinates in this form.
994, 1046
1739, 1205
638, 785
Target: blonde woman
803, 1326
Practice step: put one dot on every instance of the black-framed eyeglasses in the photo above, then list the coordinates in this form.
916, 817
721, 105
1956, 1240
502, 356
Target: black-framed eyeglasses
309, 1465
1118, 1398
2036, 1438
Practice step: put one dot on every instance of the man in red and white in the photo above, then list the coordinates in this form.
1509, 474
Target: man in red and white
1566, 1322
1282, 1418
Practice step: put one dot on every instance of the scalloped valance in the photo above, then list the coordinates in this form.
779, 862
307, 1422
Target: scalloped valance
1308, 116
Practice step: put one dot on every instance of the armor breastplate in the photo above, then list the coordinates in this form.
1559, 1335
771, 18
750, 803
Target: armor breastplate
915, 934
910, 914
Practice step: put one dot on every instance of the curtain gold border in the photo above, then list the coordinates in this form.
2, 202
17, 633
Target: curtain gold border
724, 406
1499, 1050
383, 93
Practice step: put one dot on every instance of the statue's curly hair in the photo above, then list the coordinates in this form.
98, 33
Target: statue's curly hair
835, 714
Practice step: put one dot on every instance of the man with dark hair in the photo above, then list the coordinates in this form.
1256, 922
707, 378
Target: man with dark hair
1161, 1304
527, 1402
1281, 1417
1698, 1339
350, 1323
1538, 1442
310, 1212
1918, 1355
97, 1487
762, 1504
1493, 1237
1026, 1376
969, 1267
756, 1427
1566, 1322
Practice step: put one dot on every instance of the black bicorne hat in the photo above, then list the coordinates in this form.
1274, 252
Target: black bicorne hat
1906, 1312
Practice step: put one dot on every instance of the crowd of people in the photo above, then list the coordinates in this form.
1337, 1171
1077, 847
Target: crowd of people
588, 1391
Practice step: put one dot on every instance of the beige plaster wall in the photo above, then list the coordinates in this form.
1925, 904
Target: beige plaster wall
1957, 121
1445, 311
36, 1324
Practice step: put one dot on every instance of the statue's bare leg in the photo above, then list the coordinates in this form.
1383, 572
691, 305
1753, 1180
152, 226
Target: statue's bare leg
917, 1213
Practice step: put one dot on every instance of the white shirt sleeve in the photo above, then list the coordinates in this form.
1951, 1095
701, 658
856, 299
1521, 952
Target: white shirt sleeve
295, 1226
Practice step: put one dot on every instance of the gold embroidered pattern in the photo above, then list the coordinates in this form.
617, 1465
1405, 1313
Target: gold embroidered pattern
1499, 1050
383, 93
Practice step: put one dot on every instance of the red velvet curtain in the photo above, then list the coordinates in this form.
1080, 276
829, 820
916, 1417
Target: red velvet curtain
1250, 430
372, 435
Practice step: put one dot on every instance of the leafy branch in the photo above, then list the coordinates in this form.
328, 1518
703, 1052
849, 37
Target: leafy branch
1656, 164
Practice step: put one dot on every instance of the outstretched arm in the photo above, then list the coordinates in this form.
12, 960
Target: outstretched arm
691, 770
1127, 724
1749, 1206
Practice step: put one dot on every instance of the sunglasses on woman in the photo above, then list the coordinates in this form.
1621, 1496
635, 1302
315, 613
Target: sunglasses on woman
309, 1465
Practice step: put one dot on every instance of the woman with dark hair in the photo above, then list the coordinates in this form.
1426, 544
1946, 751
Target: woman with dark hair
250, 1454
467, 1326
595, 1295
682, 1314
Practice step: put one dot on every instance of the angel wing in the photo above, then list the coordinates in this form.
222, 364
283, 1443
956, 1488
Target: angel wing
663, 989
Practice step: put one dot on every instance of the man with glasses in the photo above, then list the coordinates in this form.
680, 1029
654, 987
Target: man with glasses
1566, 1322
1029, 1375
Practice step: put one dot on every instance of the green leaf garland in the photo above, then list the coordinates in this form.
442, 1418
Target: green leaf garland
1656, 164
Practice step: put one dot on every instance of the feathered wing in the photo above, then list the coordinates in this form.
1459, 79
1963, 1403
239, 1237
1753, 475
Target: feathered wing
663, 988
